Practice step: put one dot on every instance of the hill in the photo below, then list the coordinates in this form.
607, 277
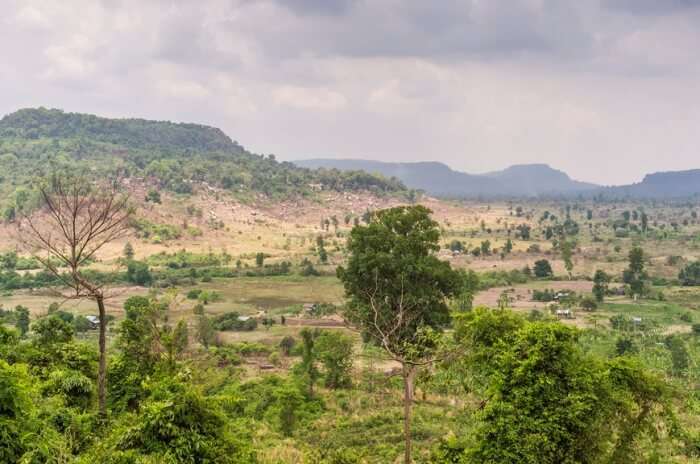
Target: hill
439, 179
677, 184
171, 156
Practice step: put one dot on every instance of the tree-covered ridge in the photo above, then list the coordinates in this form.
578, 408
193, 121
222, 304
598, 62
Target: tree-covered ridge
37, 142
132, 133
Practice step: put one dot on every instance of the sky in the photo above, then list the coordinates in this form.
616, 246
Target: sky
606, 90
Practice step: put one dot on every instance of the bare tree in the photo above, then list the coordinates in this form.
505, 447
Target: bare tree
74, 221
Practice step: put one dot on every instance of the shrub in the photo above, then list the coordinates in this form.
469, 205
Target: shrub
543, 269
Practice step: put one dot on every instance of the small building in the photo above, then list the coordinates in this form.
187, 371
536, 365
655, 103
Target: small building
94, 322
564, 313
309, 308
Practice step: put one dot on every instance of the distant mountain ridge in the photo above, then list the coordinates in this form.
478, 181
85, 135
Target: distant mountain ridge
670, 184
438, 179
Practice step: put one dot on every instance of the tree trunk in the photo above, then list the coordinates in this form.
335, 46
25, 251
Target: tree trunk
102, 372
409, 377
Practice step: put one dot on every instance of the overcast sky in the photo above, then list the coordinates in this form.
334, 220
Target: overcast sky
606, 90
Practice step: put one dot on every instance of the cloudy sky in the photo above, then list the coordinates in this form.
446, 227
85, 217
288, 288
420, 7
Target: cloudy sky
606, 90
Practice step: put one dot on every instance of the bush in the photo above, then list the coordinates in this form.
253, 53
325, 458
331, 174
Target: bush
194, 294
690, 275
139, 273
589, 304
543, 269
233, 322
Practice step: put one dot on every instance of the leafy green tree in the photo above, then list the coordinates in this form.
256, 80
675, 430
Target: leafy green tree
181, 337
508, 246
601, 280
624, 346
567, 251
307, 369
153, 196
206, 333
8, 261
139, 273
176, 424
524, 231
485, 247
635, 275
680, 358
548, 402
259, 259
22, 319
690, 275
288, 400
25, 439
398, 290
543, 269
128, 252
335, 349
53, 329
287, 344
469, 286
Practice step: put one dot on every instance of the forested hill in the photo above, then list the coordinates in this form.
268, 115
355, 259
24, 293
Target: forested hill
34, 142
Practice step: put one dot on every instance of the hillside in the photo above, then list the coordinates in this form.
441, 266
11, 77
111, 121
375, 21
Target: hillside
439, 179
172, 156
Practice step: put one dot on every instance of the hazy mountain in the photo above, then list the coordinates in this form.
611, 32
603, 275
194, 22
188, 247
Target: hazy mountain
439, 179
676, 184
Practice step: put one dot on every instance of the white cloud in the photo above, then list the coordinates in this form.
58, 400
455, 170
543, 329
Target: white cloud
317, 99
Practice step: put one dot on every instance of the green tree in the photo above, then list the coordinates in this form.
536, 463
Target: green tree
469, 286
508, 246
287, 344
307, 368
567, 251
22, 319
139, 273
635, 275
601, 280
259, 259
397, 290
334, 350
288, 400
485, 247
543, 269
690, 275
128, 252
680, 358
547, 401
53, 329
206, 333
153, 196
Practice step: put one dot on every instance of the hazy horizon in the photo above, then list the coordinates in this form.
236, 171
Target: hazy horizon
606, 90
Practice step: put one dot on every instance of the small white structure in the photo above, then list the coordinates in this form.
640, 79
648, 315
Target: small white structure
564, 313
94, 321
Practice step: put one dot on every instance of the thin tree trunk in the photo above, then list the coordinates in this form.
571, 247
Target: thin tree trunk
409, 375
102, 373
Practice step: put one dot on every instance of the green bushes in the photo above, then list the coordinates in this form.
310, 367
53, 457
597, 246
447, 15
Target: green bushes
156, 233
234, 321
690, 275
